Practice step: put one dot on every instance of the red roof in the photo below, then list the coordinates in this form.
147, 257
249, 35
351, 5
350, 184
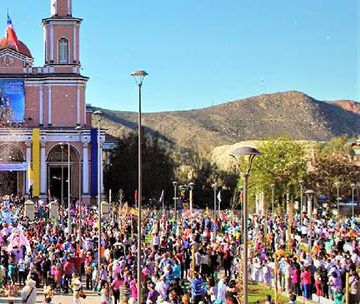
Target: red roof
5, 43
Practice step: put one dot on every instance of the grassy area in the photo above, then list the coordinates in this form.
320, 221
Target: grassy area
258, 292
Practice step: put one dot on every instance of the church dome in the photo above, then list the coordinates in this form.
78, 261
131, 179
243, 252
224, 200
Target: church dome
6, 43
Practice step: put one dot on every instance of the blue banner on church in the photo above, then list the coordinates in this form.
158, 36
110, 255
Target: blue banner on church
12, 100
94, 163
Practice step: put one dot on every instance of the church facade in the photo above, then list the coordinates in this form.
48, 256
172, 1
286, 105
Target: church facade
45, 126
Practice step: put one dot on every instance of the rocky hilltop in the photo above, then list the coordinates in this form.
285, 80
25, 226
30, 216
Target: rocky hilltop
293, 114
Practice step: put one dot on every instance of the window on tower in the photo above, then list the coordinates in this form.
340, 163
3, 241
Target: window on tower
63, 51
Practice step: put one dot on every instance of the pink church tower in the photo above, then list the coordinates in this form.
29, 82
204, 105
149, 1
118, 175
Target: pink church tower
61, 32
43, 114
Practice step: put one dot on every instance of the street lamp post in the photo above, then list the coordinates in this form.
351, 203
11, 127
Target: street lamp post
99, 113
175, 197
237, 154
337, 185
272, 198
310, 194
139, 79
214, 187
301, 182
78, 128
191, 198
352, 198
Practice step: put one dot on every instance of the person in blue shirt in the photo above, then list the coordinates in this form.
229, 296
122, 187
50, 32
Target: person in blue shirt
197, 292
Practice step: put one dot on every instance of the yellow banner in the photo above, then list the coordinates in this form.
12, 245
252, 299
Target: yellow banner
36, 162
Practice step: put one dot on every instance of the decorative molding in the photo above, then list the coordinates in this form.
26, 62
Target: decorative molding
7, 60
55, 82
14, 54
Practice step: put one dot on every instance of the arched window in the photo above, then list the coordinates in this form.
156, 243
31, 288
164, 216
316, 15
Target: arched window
63, 50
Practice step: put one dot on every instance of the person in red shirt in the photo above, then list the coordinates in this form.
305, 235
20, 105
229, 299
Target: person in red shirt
306, 282
68, 269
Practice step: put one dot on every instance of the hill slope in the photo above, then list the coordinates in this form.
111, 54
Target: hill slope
292, 113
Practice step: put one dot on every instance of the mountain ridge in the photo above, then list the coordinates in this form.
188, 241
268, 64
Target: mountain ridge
291, 113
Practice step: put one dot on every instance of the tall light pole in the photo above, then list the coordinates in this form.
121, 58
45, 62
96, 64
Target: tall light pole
352, 198
98, 113
69, 186
272, 198
214, 187
310, 194
139, 79
78, 128
337, 185
301, 182
175, 197
237, 154
191, 198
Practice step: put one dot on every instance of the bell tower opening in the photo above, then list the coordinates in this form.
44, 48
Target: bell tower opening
62, 38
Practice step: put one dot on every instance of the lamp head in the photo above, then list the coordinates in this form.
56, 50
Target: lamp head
139, 76
245, 151
337, 184
78, 128
310, 194
175, 183
353, 186
301, 182
191, 185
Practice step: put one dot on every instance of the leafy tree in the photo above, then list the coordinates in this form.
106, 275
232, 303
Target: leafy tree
199, 169
283, 163
122, 171
337, 146
328, 169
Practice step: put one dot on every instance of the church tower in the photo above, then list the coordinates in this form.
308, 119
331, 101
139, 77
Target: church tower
61, 35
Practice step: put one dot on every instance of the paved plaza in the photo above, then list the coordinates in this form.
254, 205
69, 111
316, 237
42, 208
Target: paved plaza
91, 298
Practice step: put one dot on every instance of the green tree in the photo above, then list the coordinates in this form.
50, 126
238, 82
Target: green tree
122, 171
283, 163
328, 169
337, 146
199, 169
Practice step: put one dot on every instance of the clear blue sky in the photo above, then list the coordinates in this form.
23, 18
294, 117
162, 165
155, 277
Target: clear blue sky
204, 52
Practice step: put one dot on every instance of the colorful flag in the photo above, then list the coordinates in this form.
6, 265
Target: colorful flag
241, 197
30, 174
219, 196
136, 198
10, 33
161, 199
49, 195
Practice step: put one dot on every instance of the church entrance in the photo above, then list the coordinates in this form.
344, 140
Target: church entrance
12, 170
8, 182
58, 183
58, 165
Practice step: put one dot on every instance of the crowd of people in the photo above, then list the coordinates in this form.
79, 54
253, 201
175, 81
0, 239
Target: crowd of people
315, 259
189, 257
